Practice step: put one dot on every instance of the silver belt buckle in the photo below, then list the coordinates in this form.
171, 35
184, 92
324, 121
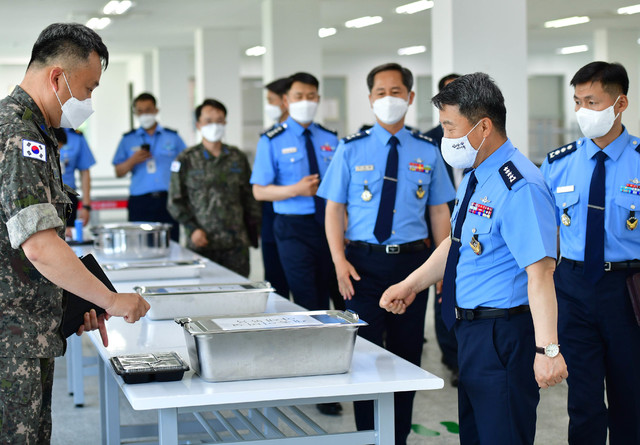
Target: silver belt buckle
607, 266
392, 248
458, 313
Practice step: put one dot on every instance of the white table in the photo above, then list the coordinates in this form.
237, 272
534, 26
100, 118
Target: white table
264, 408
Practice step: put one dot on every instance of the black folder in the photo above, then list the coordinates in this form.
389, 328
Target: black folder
75, 306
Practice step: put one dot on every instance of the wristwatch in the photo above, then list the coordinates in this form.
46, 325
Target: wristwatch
86, 207
551, 350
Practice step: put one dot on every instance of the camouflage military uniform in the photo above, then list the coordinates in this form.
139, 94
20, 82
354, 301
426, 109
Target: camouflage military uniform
214, 194
32, 199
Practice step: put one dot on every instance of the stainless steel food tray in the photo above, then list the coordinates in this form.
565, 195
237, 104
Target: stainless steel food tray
197, 300
260, 346
153, 270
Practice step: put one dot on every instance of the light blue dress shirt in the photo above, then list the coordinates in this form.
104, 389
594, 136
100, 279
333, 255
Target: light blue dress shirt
515, 228
74, 155
358, 170
568, 175
281, 159
165, 144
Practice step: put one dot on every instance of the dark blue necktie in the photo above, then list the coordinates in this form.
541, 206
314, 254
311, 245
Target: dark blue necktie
314, 170
594, 242
384, 221
450, 272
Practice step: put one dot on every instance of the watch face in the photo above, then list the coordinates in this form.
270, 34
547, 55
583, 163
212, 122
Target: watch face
551, 350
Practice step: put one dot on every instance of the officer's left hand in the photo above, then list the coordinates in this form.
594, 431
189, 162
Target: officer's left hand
549, 371
93, 322
396, 298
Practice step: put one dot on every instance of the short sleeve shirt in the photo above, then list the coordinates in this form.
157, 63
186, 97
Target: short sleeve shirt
74, 155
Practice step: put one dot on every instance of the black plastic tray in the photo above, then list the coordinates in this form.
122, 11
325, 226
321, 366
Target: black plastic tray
149, 367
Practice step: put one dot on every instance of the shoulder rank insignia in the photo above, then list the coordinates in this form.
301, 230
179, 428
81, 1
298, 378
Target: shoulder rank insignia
562, 151
416, 134
269, 129
322, 127
356, 136
510, 174
170, 130
275, 131
635, 142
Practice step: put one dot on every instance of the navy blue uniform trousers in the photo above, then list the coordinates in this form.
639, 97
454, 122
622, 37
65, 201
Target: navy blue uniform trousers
400, 334
304, 253
273, 271
497, 391
600, 341
152, 207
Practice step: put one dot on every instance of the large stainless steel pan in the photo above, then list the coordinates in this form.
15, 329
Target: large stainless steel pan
131, 241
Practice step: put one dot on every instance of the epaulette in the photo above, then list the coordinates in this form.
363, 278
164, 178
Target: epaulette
636, 142
561, 152
275, 131
170, 130
322, 127
355, 136
129, 132
78, 132
510, 174
416, 134
269, 129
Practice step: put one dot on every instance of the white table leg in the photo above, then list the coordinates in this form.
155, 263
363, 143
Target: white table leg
168, 426
103, 401
383, 419
111, 406
74, 349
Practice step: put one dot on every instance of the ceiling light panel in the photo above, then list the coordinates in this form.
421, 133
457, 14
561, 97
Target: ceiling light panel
411, 50
256, 51
572, 49
326, 32
412, 8
569, 21
98, 23
633, 9
116, 7
363, 21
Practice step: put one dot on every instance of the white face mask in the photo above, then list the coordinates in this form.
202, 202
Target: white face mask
74, 111
213, 132
147, 120
273, 112
458, 152
303, 111
595, 124
390, 109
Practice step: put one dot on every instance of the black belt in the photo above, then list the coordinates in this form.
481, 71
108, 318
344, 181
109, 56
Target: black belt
484, 313
293, 215
392, 249
608, 266
156, 195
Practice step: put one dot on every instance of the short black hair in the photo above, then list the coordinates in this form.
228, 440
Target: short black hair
145, 96
477, 96
210, 103
67, 40
306, 78
279, 86
447, 78
407, 77
612, 76
61, 135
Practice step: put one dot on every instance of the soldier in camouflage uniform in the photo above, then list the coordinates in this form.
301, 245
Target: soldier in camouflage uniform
65, 66
210, 194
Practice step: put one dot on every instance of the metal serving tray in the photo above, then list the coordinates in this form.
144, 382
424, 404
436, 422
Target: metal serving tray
168, 302
261, 346
153, 270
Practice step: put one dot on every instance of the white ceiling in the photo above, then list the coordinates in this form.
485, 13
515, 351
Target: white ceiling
171, 23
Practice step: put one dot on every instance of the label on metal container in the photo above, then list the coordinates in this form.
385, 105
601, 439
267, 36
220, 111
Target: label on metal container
198, 289
266, 322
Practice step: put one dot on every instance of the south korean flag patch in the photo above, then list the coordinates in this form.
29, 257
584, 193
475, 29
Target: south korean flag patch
35, 150
175, 166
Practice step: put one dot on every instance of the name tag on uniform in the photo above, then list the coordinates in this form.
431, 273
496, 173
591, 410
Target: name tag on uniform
565, 189
286, 151
364, 168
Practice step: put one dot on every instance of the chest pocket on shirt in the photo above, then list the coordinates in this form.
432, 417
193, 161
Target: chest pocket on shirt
363, 182
479, 227
419, 183
292, 167
625, 203
167, 149
566, 204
